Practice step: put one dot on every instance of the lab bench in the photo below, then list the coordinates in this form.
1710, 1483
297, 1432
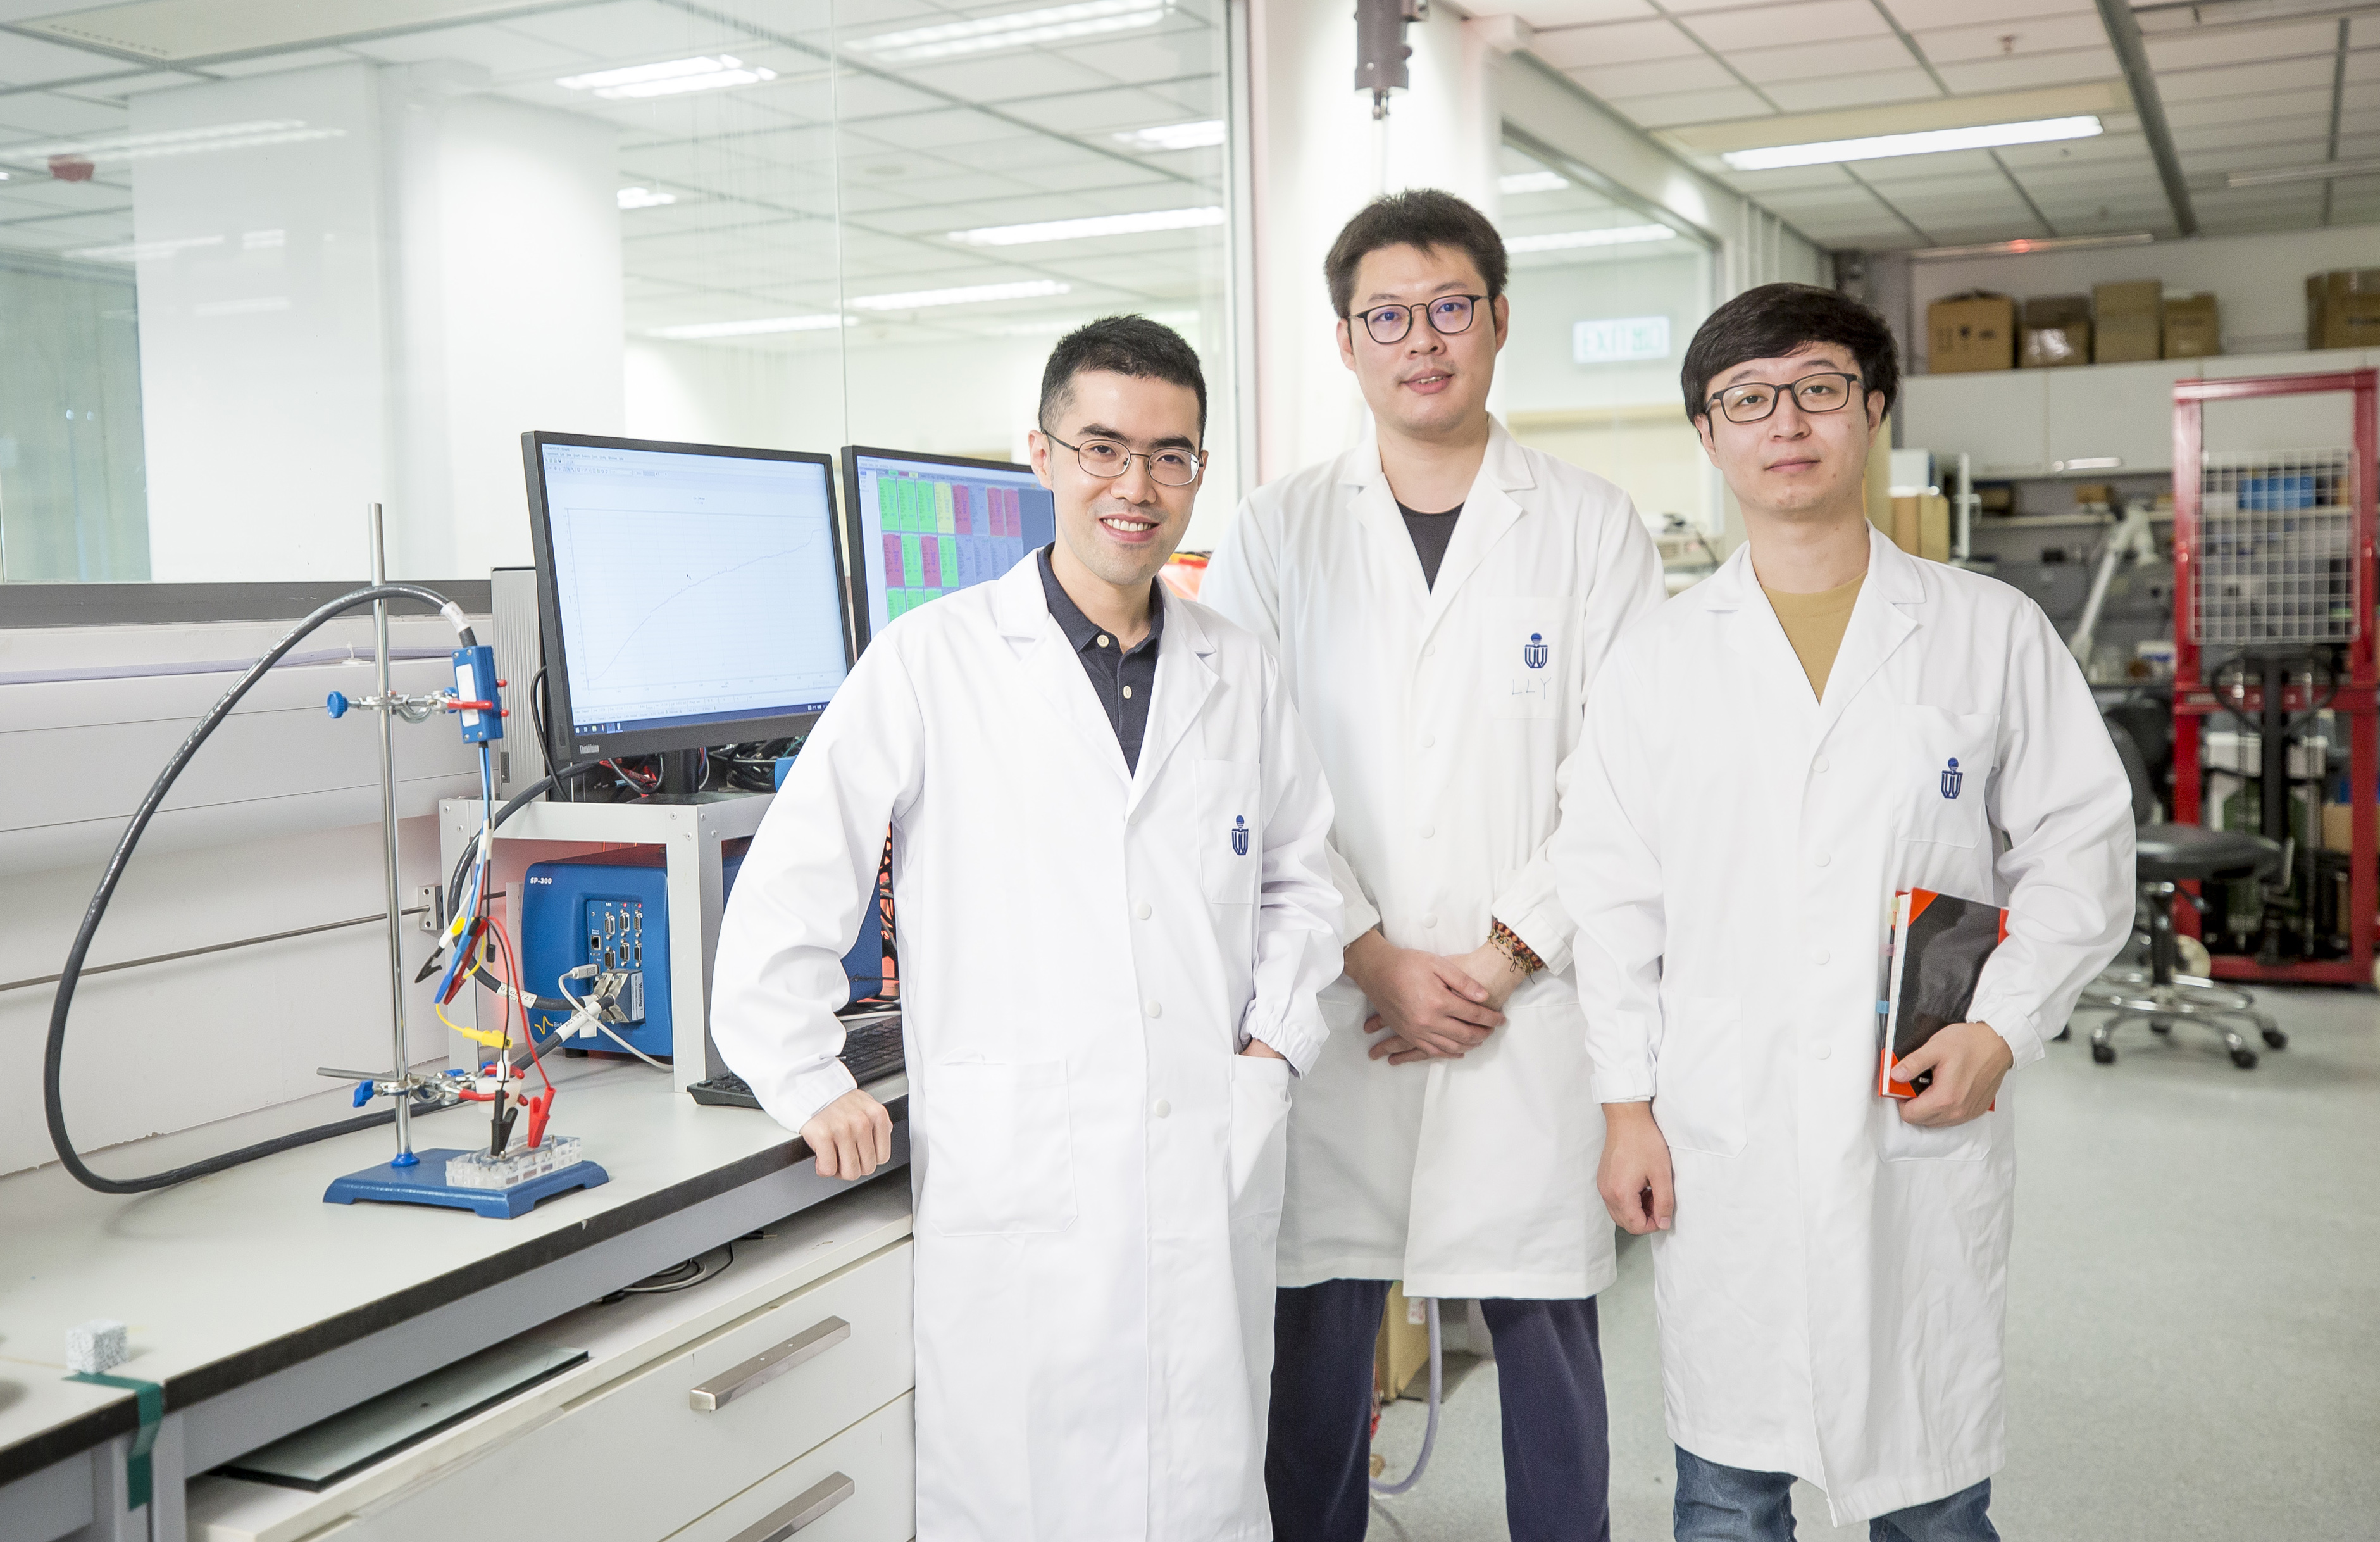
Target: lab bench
773, 1387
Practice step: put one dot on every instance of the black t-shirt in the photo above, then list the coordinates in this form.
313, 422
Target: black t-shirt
1430, 534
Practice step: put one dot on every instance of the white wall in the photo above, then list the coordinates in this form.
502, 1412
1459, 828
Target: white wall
2258, 281
1537, 372
262, 352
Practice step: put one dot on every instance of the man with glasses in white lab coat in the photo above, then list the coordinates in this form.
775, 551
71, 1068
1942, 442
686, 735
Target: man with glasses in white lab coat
1116, 909
1771, 757
1440, 599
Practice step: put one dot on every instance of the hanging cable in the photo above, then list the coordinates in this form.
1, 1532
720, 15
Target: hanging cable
1429, 1433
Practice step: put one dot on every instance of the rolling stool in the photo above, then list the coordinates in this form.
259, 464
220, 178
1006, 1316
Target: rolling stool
2169, 856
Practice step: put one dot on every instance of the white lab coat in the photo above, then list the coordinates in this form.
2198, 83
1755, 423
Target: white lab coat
1832, 1292
1082, 951
1445, 716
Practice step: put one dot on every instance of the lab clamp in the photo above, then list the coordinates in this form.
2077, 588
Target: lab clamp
497, 1181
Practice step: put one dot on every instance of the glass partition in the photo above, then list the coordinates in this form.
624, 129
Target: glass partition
262, 265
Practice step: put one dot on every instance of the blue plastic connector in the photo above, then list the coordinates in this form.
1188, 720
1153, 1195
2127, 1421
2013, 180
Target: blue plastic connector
363, 1094
336, 704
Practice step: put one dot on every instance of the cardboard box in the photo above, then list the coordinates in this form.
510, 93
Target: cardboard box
2338, 826
2194, 327
1403, 1347
2049, 346
1971, 332
2127, 321
1921, 526
2343, 309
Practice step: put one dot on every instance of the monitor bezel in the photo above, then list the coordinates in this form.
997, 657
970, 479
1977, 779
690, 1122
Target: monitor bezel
853, 517
565, 748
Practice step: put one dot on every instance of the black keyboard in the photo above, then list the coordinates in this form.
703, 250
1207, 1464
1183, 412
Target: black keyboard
871, 1051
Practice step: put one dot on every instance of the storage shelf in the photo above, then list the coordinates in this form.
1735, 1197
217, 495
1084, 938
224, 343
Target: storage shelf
2042, 521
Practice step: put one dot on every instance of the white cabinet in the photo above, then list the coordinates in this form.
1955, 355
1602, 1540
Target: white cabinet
2000, 417
2122, 413
859, 1486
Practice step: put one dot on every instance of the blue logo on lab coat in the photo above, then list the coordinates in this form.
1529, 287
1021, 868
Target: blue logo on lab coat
1239, 835
1952, 779
1535, 653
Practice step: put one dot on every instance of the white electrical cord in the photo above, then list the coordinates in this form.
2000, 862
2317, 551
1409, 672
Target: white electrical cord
1429, 1435
585, 1014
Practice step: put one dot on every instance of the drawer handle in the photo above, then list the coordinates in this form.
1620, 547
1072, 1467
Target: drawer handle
768, 1365
812, 1503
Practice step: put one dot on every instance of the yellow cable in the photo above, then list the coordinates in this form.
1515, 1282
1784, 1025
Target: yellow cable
493, 1040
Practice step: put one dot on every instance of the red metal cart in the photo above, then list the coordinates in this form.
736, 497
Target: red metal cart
2258, 562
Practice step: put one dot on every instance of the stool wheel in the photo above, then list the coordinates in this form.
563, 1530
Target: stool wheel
2276, 1039
2104, 1054
2160, 1025
2064, 1033
2244, 1059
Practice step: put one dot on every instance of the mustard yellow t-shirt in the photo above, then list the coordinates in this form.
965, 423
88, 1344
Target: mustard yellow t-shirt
1815, 625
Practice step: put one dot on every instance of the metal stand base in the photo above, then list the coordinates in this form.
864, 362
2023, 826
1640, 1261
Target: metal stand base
425, 1183
2131, 997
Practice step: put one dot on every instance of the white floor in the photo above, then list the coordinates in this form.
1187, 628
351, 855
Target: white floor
2194, 1310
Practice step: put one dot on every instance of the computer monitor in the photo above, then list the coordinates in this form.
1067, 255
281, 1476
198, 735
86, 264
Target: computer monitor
690, 594
924, 525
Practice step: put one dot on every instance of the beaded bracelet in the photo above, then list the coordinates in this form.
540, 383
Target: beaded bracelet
1517, 953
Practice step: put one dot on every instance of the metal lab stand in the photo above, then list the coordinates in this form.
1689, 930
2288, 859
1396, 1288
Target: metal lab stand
690, 834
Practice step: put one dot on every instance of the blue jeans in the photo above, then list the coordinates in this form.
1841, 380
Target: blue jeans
1716, 1503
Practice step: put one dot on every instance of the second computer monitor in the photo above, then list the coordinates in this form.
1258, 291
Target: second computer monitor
923, 526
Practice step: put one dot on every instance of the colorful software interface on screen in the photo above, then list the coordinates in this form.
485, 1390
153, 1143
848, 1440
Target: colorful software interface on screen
928, 527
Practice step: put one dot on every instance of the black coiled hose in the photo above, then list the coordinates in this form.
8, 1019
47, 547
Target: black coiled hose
53, 1054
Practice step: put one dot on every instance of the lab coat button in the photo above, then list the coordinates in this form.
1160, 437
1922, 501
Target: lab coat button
1815, 1050
1818, 957
1161, 1108
1429, 650
1141, 911
1155, 1008
1819, 763
1429, 742
1824, 859
1430, 920
1427, 831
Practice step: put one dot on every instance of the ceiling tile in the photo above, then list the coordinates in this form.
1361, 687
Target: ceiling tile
1692, 106
2230, 45
1544, 14
1845, 56
641, 31
2007, 38
1912, 84
2272, 76
1700, 73
1920, 15
1777, 26
1623, 43
30, 61
2024, 71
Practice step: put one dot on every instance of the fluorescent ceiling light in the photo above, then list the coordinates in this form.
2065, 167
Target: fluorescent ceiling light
2323, 172
2031, 243
973, 294
752, 328
1097, 225
670, 77
1565, 240
1532, 181
1013, 30
1204, 134
173, 141
143, 251
644, 198
2188, 17
1932, 141
1058, 326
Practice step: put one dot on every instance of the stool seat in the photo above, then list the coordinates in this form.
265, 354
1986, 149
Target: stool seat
2187, 853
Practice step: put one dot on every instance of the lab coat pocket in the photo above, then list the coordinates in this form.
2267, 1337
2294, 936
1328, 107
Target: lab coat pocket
1000, 1149
1230, 833
1698, 1077
1259, 1134
1522, 640
1947, 758
1903, 1142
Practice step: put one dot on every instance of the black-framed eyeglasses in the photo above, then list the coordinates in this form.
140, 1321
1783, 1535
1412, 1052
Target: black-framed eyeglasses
1448, 315
1749, 403
1110, 457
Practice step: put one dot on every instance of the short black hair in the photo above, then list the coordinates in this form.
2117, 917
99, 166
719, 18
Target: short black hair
1423, 217
1131, 346
1773, 321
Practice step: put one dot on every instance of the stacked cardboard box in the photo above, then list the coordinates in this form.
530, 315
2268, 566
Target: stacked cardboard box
2127, 321
2057, 331
2343, 309
1971, 332
2193, 328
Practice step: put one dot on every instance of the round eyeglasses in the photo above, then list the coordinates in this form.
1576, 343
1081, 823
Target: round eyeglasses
1830, 392
1107, 458
1448, 314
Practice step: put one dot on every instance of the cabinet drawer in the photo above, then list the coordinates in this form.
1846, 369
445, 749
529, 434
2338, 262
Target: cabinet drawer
638, 1459
877, 1459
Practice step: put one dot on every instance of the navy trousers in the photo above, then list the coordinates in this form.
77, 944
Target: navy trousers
1549, 1370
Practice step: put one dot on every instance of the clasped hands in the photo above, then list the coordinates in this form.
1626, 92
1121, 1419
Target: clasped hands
1430, 1006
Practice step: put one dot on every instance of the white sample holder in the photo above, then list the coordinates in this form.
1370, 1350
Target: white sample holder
690, 833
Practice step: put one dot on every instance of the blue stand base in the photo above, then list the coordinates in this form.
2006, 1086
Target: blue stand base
424, 1182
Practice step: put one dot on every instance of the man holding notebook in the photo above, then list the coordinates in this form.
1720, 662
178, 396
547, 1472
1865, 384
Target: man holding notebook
1769, 760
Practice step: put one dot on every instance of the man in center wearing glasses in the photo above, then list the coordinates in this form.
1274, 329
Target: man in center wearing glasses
1439, 599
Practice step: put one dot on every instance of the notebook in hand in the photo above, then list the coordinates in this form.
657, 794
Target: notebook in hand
1939, 946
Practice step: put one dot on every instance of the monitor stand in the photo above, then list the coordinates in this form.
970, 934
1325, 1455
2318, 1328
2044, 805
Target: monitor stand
678, 767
